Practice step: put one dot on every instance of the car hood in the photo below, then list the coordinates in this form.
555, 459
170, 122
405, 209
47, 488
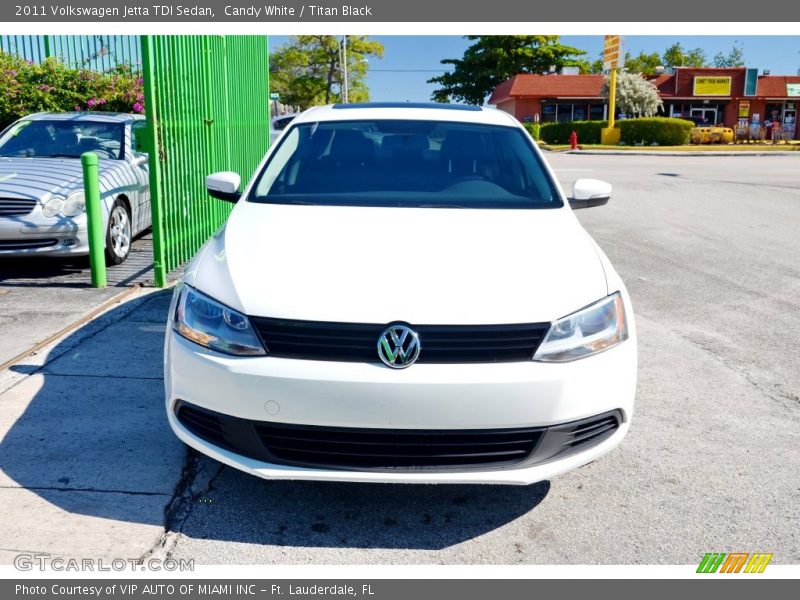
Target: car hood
421, 266
40, 177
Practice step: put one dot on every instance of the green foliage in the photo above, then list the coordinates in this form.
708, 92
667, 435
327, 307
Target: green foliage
52, 86
558, 133
533, 129
664, 131
494, 58
643, 63
676, 56
734, 58
307, 71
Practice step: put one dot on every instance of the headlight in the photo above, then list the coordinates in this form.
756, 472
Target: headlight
71, 206
74, 205
593, 329
53, 206
207, 322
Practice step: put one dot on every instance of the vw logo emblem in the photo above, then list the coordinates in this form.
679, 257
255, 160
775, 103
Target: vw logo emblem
398, 347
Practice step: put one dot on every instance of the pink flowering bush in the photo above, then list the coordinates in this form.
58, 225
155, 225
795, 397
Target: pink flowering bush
53, 86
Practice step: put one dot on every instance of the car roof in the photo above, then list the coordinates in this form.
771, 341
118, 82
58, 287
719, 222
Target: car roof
93, 116
407, 111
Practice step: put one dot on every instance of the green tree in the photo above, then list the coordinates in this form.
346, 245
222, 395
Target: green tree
676, 56
493, 59
307, 71
635, 96
642, 63
734, 58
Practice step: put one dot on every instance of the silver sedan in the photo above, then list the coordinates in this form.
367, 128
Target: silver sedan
42, 206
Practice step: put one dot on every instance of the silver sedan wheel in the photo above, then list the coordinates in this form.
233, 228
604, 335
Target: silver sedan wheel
120, 231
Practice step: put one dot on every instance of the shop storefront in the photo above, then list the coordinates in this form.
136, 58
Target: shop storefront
736, 98
564, 110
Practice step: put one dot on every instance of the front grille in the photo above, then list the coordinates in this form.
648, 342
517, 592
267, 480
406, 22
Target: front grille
357, 342
397, 449
345, 448
16, 207
26, 244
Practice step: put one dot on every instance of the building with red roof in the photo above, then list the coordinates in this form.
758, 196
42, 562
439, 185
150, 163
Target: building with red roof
710, 95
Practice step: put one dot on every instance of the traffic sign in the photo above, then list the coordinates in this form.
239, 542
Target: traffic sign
274, 96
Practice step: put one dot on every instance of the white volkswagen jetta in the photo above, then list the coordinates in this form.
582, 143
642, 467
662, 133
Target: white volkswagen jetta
402, 294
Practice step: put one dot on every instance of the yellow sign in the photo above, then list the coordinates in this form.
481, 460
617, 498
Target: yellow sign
712, 86
613, 55
744, 109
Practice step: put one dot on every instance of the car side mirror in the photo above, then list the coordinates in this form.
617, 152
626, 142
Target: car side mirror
587, 193
224, 186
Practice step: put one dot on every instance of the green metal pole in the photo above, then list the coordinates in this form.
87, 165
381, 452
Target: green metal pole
94, 218
154, 160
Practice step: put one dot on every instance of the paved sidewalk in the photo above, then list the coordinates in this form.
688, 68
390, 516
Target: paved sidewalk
88, 465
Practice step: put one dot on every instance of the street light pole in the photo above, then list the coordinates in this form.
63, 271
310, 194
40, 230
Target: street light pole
345, 93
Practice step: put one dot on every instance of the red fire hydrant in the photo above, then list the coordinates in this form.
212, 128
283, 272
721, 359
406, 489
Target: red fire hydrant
573, 140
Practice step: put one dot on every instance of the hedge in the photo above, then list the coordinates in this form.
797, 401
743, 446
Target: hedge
533, 129
558, 133
26, 88
664, 131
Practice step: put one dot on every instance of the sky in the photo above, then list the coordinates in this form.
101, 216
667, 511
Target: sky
409, 61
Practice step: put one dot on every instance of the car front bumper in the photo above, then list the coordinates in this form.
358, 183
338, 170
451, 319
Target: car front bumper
463, 398
24, 237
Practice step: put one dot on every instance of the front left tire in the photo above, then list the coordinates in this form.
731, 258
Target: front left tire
118, 234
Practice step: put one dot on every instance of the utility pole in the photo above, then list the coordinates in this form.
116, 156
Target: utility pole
345, 93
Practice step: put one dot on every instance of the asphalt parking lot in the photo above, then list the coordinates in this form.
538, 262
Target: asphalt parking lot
709, 249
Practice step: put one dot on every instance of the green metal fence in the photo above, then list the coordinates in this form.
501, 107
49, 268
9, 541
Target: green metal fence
207, 110
94, 52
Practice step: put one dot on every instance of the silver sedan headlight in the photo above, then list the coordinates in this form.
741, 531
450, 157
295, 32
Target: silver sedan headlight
74, 205
597, 327
71, 206
53, 206
211, 324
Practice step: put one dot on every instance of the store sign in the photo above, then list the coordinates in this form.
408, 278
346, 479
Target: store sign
712, 86
613, 52
744, 109
793, 89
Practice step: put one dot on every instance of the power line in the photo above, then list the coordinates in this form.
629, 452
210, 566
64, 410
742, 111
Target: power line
408, 71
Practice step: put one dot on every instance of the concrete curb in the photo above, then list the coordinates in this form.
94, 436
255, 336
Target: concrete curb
658, 153
41, 354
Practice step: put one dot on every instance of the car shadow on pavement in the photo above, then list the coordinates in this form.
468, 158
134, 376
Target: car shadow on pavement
38, 271
250, 510
85, 438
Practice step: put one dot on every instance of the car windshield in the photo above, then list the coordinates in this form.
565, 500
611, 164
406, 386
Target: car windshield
406, 164
62, 139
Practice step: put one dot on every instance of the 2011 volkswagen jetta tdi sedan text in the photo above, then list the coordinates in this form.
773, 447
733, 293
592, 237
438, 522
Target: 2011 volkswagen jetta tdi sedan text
402, 294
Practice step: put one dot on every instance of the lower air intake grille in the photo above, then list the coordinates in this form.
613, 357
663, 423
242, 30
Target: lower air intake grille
345, 448
26, 244
398, 449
